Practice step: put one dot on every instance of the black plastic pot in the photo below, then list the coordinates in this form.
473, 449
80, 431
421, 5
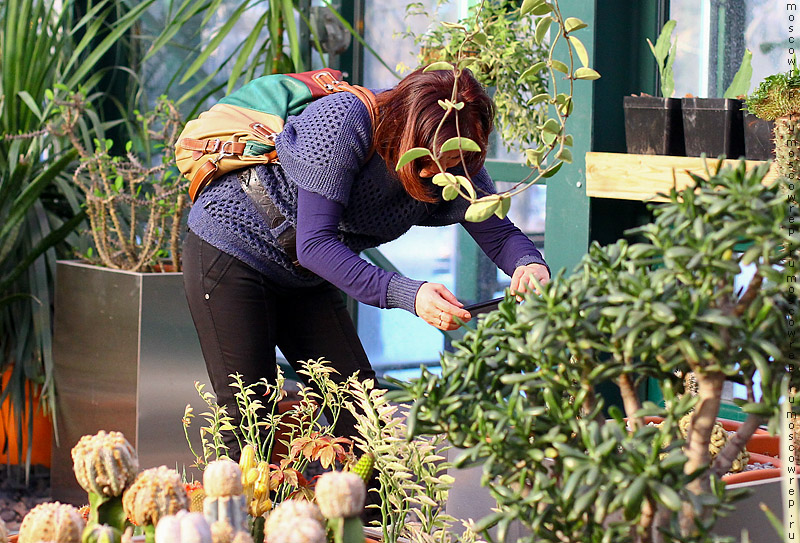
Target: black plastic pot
713, 126
653, 125
759, 141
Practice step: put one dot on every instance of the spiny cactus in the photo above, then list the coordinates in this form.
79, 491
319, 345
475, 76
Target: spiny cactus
222, 477
183, 527
53, 522
340, 496
364, 467
105, 464
222, 532
156, 493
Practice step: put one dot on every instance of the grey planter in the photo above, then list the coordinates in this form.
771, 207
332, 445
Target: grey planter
126, 358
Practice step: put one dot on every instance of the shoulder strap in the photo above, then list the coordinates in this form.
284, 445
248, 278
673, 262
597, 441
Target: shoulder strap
330, 85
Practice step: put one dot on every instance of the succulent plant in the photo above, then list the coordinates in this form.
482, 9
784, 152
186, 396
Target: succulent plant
777, 98
222, 477
289, 511
296, 530
156, 493
101, 533
105, 464
183, 527
340, 496
364, 467
53, 522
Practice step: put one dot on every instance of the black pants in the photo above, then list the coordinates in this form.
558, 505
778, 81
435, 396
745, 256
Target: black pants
241, 315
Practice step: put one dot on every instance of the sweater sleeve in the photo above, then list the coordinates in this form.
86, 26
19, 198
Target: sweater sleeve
320, 250
322, 149
504, 243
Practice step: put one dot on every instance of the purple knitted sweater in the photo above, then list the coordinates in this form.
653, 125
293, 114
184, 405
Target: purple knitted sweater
324, 154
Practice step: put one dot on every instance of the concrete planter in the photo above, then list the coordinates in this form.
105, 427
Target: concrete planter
126, 358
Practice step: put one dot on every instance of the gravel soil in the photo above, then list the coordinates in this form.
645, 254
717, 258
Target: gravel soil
17, 496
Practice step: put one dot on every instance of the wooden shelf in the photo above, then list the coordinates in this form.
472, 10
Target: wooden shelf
643, 177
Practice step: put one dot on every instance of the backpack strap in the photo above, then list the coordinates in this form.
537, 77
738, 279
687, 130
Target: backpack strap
330, 85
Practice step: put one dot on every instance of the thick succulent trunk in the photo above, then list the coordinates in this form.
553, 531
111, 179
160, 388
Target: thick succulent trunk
787, 151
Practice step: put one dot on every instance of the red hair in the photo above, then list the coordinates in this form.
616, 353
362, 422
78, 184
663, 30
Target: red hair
409, 114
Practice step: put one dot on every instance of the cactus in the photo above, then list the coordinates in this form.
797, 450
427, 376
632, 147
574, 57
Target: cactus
340, 496
787, 144
365, 467
222, 478
53, 522
101, 533
230, 509
105, 464
156, 492
196, 499
222, 532
183, 527
296, 530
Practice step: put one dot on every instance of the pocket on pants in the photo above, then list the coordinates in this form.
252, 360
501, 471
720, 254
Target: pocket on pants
215, 265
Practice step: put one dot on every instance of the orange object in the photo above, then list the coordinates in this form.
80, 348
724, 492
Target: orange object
42, 431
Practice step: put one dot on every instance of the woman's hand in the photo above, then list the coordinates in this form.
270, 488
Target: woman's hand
438, 307
522, 280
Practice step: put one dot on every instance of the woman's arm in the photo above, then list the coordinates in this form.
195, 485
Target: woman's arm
320, 250
511, 251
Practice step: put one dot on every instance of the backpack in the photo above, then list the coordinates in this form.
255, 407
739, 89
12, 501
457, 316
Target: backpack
240, 130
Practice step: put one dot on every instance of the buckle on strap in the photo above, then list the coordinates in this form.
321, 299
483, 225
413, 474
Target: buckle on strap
222, 152
216, 142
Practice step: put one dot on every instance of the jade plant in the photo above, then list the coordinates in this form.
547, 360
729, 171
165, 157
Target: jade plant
777, 98
518, 392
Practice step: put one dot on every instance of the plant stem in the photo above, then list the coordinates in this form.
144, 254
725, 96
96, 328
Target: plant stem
736, 444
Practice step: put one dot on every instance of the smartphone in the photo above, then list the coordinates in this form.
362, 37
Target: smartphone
483, 307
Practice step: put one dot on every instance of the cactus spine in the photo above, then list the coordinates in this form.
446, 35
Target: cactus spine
295, 521
156, 493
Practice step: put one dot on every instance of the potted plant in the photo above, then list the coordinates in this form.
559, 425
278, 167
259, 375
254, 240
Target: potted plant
715, 126
123, 336
518, 393
777, 99
653, 124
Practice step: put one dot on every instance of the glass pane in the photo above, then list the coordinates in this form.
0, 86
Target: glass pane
713, 35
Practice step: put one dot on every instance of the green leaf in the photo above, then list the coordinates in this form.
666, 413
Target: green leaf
529, 5
552, 170
466, 185
565, 155
31, 103
666, 495
740, 85
632, 498
502, 210
552, 126
436, 66
450, 192
586, 73
542, 28
465, 144
412, 154
479, 38
483, 208
573, 23
559, 66
445, 180
580, 50
533, 70
542, 9
539, 98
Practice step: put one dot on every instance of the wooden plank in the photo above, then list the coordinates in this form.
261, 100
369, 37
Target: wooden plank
643, 177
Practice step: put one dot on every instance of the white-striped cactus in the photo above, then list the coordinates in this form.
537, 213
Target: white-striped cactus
52, 522
105, 463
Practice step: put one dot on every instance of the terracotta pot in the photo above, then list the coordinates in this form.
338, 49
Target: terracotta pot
761, 446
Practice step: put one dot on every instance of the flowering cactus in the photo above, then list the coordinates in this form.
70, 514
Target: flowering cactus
156, 493
105, 464
52, 522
